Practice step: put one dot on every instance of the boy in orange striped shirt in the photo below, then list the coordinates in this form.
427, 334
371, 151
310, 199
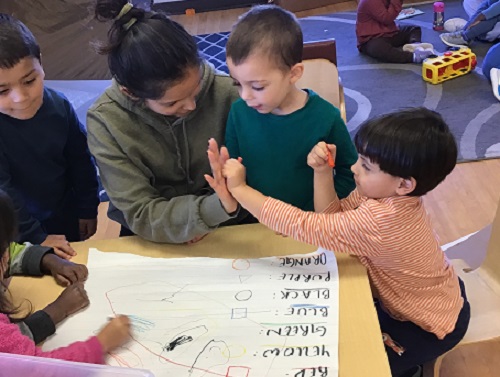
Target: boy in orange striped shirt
420, 301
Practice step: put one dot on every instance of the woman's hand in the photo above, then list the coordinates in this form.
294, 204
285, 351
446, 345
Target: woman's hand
216, 181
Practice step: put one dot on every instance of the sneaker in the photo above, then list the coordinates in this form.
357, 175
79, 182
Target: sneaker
495, 82
420, 54
454, 24
455, 39
410, 47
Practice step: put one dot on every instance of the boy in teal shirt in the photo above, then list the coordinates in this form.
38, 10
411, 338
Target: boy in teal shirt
274, 124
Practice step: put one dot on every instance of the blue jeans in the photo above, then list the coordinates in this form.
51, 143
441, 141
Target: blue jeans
482, 28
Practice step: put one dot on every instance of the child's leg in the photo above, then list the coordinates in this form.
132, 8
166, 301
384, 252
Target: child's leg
382, 49
484, 26
407, 34
419, 345
480, 29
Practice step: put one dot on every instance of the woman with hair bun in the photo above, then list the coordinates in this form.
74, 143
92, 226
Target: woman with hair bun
149, 130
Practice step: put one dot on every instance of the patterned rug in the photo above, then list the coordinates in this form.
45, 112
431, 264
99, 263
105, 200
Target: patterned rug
372, 88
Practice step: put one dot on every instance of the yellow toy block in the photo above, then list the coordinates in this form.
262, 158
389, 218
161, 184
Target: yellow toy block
451, 64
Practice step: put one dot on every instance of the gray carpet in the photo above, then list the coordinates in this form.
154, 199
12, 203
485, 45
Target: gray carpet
371, 88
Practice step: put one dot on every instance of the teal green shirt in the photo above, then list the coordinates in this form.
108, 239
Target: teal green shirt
274, 149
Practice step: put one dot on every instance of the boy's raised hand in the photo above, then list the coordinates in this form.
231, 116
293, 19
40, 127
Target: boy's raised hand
318, 157
217, 182
60, 245
71, 300
115, 333
64, 272
235, 174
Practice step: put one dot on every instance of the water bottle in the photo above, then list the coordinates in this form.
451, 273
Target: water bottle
438, 23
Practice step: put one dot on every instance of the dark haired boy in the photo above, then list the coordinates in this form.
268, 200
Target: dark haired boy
45, 166
274, 124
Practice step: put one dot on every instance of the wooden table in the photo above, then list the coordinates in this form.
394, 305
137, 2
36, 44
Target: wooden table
361, 351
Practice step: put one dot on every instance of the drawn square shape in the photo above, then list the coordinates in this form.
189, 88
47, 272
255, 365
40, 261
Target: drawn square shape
235, 371
238, 313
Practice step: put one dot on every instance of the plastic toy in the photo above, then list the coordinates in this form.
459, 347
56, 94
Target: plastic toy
454, 63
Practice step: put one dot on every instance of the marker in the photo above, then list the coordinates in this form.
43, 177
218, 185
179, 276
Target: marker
331, 163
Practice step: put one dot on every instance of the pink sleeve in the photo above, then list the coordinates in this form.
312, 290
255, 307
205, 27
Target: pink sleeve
13, 341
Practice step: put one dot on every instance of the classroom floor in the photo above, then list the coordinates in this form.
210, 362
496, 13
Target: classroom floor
464, 203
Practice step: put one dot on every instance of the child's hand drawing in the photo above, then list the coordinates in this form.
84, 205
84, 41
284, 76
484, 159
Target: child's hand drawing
63, 271
115, 333
217, 182
318, 157
71, 300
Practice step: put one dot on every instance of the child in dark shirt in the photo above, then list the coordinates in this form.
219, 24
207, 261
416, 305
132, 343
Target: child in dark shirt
45, 166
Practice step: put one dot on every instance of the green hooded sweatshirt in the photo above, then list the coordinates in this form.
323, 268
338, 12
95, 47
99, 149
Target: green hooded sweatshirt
152, 166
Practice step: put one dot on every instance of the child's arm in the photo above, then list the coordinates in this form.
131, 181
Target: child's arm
250, 199
82, 174
324, 188
34, 260
42, 323
384, 14
113, 335
354, 232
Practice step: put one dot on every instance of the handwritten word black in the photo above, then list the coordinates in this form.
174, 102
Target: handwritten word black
290, 293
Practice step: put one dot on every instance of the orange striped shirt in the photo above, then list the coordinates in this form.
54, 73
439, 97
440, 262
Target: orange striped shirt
394, 240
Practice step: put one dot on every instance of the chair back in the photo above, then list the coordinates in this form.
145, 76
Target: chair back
321, 74
491, 264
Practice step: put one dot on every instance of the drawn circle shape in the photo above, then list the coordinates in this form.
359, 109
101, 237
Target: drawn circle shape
241, 264
243, 295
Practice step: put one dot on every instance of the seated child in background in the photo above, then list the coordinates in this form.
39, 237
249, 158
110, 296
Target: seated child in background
113, 335
45, 165
480, 23
275, 124
380, 37
420, 301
